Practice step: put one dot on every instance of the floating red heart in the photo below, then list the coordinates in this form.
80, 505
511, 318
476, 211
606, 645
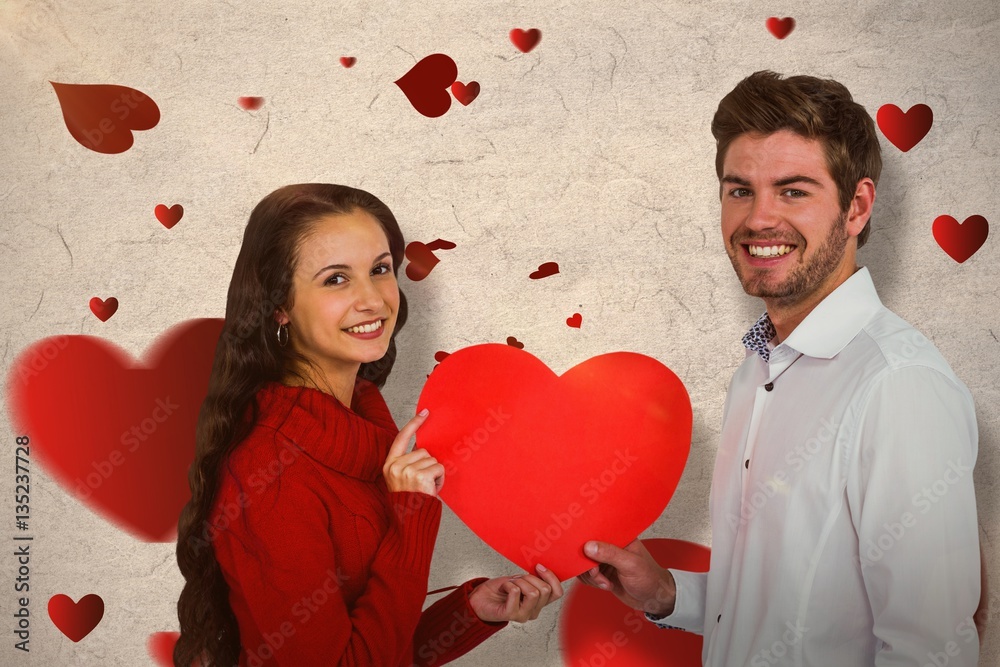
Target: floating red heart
250, 103
904, 130
575, 321
168, 217
536, 464
103, 308
76, 619
440, 244
545, 270
513, 342
116, 435
440, 355
426, 84
348, 61
597, 628
161, 647
960, 240
525, 40
780, 28
422, 260
465, 92
102, 117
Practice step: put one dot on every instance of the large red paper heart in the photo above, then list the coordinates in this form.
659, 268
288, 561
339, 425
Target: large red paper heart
426, 84
76, 619
597, 628
102, 117
536, 464
118, 436
904, 130
960, 240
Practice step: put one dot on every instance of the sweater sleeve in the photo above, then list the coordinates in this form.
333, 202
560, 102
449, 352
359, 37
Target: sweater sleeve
291, 583
449, 628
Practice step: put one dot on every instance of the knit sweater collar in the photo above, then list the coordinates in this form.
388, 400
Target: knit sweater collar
353, 441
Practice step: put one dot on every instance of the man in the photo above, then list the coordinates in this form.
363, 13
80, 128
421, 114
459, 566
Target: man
844, 528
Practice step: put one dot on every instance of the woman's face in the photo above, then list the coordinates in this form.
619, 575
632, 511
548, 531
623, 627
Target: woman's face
345, 294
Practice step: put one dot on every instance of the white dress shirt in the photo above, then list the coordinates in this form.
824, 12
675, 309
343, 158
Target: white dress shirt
844, 529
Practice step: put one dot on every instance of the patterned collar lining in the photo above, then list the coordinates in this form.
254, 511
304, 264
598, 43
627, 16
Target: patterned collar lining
759, 336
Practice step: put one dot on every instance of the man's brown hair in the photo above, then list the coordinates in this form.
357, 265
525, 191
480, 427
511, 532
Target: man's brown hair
814, 108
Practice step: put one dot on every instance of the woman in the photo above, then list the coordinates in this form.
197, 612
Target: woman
309, 533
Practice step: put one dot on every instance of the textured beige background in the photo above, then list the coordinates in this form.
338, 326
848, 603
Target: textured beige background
593, 150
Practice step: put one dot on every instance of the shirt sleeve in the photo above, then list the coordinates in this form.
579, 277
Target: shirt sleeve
689, 604
449, 628
914, 507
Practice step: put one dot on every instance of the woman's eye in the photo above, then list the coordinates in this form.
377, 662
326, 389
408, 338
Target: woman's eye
382, 269
332, 279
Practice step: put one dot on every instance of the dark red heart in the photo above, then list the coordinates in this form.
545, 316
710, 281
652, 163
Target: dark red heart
525, 40
102, 117
960, 240
161, 647
103, 308
905, 130
348, 61
422, 260
513, 342
465, 92
250, 103
440, 355
595, 628
118, 435
168, 217
76, 619
575, 321
426, 84
780, 28
545, 270
440, 244
536, 464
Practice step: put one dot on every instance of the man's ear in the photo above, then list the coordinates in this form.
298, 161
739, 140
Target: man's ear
860, 209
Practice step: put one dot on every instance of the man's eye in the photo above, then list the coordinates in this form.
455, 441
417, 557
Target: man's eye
795, 194
739, 192
331, 279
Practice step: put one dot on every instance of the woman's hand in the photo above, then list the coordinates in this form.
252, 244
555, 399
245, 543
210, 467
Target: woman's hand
519, 598
414, 471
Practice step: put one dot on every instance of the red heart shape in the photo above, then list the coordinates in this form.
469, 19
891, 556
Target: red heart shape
103, 309
76, 619
102, 117
575, 321
348, 61
525, 40
440, 244
250, 103
545, 270
960, 240
465, 92
536, 464
594, 624
118, 436
168, 217
780, 28
904, 130
440, 355
161, 647
422, 260
513, 342
426, 84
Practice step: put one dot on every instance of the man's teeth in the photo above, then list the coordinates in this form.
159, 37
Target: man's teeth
770, 251
367, 328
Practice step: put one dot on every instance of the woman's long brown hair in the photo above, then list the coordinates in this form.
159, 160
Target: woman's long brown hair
246, 358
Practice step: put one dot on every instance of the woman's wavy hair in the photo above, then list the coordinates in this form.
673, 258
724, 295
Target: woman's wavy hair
246, 358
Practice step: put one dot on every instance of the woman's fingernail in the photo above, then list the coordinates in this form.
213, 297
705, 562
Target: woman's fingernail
541, 568
423, 413
603, 585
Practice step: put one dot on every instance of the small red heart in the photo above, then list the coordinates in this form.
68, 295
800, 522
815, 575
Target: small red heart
168, 217
103, 309
513, 342
780, 28
525, 40
545, 270
426, 84
251, 103
76, 619
440, 244
494, 404
575, 321
103, 117
594, 623
904, 130
440, 356
960, 240
348, 61
422, 260
161, 647
465, 92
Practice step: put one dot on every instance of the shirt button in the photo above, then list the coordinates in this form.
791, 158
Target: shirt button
769, 386
747, 464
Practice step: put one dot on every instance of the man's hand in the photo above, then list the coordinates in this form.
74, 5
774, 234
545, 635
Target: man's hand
632, 575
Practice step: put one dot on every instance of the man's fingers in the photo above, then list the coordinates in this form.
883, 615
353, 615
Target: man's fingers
603, 552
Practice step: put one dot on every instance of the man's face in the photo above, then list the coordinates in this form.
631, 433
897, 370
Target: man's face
781, 220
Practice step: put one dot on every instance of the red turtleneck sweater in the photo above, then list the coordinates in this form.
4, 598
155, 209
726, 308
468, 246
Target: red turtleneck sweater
325, 566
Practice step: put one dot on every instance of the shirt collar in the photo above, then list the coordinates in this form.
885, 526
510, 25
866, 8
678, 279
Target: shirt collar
828, 327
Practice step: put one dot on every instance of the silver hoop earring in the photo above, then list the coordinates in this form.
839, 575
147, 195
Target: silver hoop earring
282, 341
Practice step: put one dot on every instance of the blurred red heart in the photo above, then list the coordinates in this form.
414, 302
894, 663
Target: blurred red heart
426, 84
780, 28
168, 217
348, 61
102, 117
251, 103
161, 647
76, 619
465, 93
904, 130
575, 321
537, 463
525, 40
103, 308
960, 240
